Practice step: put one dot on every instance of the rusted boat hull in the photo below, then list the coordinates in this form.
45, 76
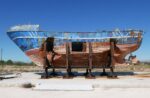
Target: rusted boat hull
77, 49
126, 42
80, 59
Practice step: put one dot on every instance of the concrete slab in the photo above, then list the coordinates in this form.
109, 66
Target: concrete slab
63, 87
6, 76
127, 81
127, 86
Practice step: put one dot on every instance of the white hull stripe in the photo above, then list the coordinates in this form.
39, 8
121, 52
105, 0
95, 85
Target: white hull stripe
76, 38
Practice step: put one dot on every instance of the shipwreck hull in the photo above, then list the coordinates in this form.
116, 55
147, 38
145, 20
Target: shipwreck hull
126, 42
100, 56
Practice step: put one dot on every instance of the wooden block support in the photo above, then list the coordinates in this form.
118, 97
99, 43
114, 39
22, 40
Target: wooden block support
67, 55
112, 61
90, 55
68, 67
112, 45
89, 74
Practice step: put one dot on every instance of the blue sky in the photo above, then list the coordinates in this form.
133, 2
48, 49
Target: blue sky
74, 15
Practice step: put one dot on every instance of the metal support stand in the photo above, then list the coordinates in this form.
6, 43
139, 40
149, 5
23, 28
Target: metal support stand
54, 74
89, 74
46, 76
46, 70
104, 72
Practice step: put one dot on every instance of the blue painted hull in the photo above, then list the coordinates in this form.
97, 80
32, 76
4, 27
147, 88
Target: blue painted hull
30, 41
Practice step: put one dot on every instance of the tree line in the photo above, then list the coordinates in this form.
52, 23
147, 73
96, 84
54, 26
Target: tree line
10, 62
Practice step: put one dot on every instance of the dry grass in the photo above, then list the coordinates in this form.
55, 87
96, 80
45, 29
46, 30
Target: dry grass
139, 67
15, 68
120, 68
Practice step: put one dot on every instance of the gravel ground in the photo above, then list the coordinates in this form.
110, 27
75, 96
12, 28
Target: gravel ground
126, 86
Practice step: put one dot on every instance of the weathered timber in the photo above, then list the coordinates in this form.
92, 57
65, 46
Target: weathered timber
89, 74
68, 66
112, 60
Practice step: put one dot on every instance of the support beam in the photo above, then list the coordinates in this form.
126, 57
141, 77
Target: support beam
46, 76
68, 67
112, 45
112, 61
46, 64
104, 72
54, 74
89, 74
